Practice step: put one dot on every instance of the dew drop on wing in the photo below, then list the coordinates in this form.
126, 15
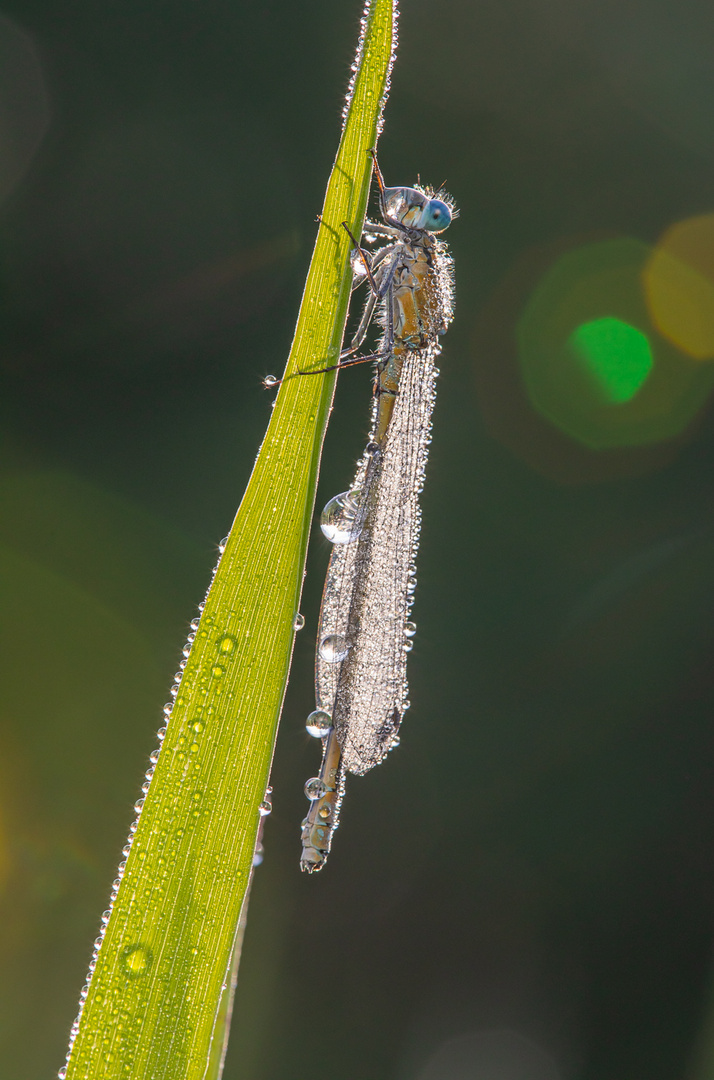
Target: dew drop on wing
339, 520
318, 724
333, 648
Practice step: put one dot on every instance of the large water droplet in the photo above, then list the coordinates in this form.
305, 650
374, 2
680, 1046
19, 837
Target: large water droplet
357, 263
227, 644
315, 788
339, 520
298, 621
265, 807
410, 629
318, 724
270, 380
333, 648
136, 960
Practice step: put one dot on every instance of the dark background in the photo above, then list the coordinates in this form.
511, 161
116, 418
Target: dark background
525, 890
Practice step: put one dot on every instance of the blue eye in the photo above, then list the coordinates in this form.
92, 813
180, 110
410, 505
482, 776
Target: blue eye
436, 216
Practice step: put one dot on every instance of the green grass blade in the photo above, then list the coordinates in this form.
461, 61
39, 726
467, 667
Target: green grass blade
152, 1007
219, 1045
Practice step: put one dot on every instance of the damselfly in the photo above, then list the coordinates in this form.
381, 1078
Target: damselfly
365, 632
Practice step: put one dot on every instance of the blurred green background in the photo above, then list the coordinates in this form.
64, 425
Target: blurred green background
525, 890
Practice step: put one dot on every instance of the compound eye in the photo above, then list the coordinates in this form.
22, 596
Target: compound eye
437, 216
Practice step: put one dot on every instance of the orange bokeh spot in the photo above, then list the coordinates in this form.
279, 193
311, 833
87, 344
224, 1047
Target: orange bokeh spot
678, 281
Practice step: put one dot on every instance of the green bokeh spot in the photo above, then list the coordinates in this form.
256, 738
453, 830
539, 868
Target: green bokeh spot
617, 354
593, 363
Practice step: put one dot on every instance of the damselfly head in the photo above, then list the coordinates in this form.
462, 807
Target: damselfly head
417, 209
